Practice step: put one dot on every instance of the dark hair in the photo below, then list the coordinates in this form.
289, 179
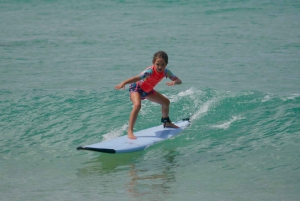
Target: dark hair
160, 54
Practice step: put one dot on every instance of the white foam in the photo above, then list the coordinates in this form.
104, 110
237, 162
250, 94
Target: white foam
115, 133
227, 124
266, 98
291, 97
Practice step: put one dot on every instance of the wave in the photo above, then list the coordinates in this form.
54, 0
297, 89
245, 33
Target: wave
51, 120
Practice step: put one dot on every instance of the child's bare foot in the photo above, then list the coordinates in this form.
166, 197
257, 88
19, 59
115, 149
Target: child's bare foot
171, 125
131, 136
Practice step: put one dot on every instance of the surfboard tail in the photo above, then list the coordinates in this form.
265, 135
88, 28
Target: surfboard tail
186, 119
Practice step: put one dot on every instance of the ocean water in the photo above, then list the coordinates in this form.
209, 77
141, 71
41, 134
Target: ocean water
240, 66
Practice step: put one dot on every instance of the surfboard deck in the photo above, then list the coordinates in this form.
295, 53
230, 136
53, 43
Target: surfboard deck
145, 138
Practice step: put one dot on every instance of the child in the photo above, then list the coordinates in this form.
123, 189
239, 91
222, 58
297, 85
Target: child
142, 87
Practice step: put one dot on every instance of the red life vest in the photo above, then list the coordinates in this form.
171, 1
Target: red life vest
150, 82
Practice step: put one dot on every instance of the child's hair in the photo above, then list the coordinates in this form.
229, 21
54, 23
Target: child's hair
160, 54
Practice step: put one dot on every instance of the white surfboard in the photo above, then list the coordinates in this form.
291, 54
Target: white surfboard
145, 138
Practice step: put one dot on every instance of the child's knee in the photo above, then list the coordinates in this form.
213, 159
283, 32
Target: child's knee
167, 102
137, 107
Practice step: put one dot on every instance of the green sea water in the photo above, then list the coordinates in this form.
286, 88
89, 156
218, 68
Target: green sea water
240, 66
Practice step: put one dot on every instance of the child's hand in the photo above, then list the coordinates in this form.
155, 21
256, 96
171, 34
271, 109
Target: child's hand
171, 83
120, 86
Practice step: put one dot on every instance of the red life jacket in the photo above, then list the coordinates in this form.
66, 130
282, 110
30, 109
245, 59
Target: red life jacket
150, 82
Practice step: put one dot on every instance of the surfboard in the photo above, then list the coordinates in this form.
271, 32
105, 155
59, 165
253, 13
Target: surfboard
145, 138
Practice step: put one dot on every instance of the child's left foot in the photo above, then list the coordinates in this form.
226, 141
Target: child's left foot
171, 125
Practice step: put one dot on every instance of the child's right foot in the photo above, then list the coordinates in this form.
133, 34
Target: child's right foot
131, 136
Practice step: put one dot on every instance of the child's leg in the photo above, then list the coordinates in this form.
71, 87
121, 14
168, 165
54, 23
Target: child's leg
136, 101
164, 102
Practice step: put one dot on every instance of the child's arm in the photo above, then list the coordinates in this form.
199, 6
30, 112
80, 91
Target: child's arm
175, 80
128, 81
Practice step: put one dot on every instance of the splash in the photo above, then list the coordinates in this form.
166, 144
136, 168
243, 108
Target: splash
191, 93
202, 110
188, 92
195, 100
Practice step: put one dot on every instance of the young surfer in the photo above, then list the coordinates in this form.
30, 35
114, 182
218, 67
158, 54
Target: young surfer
142, 87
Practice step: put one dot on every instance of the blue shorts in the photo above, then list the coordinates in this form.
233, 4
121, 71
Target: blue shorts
134, 87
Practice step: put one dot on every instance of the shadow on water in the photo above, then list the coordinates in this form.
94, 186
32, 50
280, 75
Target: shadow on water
108, 163
145, 182
149, 172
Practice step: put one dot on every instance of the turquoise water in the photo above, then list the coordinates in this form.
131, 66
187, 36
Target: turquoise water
238, 60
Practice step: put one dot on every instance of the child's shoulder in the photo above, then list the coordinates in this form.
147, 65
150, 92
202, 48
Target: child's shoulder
168, 73
147, 72
148, 69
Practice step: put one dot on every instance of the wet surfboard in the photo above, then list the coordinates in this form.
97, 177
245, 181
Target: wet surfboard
145, 138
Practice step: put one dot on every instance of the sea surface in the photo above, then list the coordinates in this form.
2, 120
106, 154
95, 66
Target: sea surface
239, 62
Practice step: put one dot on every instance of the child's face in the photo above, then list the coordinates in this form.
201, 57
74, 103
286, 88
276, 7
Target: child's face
160, 65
